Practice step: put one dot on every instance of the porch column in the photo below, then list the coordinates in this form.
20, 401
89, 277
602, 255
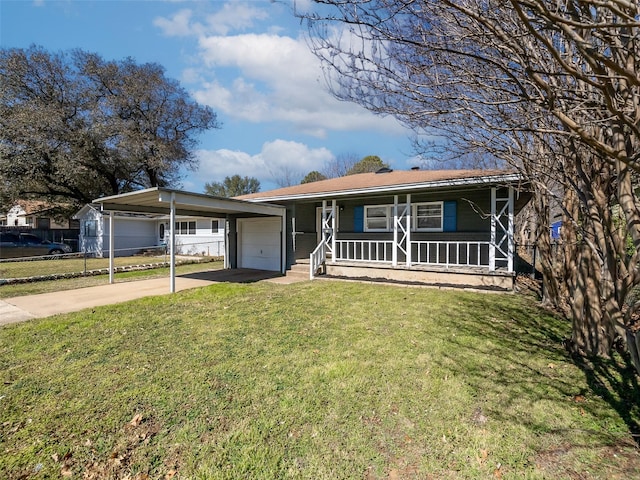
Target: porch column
492, 239
333, 231
172, 244
111, 246
408, 226
226, 242
510, 228
501, 246
394, 248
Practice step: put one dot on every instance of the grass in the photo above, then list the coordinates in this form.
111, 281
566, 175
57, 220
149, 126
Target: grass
51, 266
61, 284
316, 380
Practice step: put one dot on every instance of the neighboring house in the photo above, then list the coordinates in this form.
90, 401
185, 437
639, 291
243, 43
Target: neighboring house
36, 217
34, 214
138, 232
448, 227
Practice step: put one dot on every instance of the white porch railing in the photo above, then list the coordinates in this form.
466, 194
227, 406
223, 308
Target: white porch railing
376, 251
423, 252
317, 258
462, 254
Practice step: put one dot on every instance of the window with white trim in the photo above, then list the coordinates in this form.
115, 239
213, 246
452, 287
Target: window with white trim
427, 217
215, 226
185, 228
376, 218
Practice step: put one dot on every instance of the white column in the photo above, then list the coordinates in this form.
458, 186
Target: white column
408, 246
172, 245
283, 253
510, 232
394, 248
333, 231
226, 243
111, 246
492, 241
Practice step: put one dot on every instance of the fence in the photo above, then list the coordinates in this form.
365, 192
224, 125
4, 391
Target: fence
49, 267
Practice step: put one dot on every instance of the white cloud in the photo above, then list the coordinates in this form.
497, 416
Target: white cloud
179, 25
275, 159
277, 78
233, 16
264, 77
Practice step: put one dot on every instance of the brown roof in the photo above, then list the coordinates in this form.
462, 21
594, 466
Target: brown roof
373, 181
32, 207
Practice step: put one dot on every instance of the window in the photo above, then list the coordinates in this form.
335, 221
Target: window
215, 226
427, 217
90, 228
376, 218
185, 228
44, 223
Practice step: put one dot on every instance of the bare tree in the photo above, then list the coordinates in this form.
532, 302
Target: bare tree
340, 165
549, 87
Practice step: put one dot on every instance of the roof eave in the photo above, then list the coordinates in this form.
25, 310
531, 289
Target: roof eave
461, 182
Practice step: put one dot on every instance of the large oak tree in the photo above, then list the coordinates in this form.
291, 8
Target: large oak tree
74, 127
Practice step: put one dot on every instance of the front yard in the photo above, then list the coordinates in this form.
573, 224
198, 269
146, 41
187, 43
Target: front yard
316, 380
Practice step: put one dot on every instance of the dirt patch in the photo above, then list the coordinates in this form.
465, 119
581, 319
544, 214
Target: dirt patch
622, 460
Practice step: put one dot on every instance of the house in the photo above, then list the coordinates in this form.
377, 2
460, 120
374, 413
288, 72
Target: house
38, 218
137, 232
446, 227
34, 214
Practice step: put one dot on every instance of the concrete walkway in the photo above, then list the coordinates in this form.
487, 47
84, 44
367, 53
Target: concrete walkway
19, 309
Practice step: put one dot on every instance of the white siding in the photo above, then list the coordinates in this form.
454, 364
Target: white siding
203, 242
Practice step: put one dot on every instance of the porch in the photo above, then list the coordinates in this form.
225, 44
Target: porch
452, 258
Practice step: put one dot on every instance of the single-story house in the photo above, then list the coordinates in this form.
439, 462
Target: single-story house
137, 232
446, 227
34, 214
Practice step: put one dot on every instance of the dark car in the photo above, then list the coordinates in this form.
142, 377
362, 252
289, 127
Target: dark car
14, 245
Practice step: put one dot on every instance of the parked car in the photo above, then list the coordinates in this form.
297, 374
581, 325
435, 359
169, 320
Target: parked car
14, 245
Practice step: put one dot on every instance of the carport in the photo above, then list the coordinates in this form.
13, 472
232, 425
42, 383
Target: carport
245, 220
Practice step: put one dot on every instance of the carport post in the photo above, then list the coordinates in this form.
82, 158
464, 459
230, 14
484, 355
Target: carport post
172, 254
111, 246
283, 243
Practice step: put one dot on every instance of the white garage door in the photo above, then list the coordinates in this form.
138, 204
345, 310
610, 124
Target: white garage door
260, 240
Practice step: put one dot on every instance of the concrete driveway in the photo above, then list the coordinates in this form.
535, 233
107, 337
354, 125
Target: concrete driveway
19, 309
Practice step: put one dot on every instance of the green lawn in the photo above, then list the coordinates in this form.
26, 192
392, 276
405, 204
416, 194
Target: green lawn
51, 266
60, 284
315, 380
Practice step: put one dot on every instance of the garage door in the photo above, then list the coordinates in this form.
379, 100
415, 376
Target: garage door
260, 240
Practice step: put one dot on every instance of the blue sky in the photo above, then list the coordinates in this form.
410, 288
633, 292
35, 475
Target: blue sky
248, 60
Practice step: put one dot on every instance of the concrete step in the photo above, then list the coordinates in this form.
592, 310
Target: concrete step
299, 269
